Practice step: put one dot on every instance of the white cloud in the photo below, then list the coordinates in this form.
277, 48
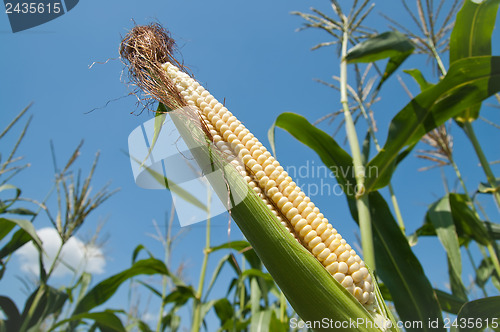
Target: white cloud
75, 255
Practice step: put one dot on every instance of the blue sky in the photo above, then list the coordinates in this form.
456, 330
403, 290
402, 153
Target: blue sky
247, 53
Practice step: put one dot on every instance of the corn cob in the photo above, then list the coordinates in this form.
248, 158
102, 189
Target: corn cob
271, 182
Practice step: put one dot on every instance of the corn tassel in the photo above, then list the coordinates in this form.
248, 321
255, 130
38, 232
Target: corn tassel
276, 188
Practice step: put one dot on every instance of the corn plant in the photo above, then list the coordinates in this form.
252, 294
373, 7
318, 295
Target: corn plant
471, 78
293, 239
49, 308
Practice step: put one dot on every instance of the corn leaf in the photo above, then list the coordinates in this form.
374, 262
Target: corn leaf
396, 264
485, 188
493, 230
329, 151
483, 310
105, 320
51, 302
466, 221
484, 272
13, 317
245, 248
400, 269
106, 288
440, 215
449, 303
468, 82
471, 36
22, 236
419, 78
391, 44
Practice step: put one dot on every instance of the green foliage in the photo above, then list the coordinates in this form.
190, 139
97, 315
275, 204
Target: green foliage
473, 76
469, 81
392, 44
470, 37
396, 263
480, 314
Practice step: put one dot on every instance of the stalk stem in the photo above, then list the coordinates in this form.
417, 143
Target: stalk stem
42, 288
359, 169
469, 131
206, 252
394, 200
471, 259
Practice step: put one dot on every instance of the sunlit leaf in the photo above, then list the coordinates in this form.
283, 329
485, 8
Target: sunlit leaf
107, 288
485, 310
468, 82
392, 44
471, 36
396, 264
440, 215
419, 78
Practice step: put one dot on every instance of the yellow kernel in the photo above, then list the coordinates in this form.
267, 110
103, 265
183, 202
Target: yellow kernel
343, 267
358, 294
339, 277
314, 244
311, 238
295, 220
330, 259
260, 174
310, 217
217, 106
244, 137
276, 197
297, 200
366, 297
318, 249
354, 268
340, 251
283, 185
300, 224
289, 189
292, 213
275, 175
357, 276
306, 211
256, 154
256, 169
344, 256
231, 137
327, 236
263, 181
333, 268
315, 223
347, 282
271, 185
350, 260
323, 254
272, 191
334, 245
281, 202
304, 231
321, 227
251, 163
269, 169
286, 207
350, 289
254, 147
